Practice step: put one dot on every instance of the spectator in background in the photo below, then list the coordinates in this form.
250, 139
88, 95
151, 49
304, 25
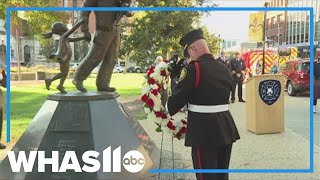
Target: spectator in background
159, 59
222, 59
238, 69
164, 92
274, 68
3, 53
3, 83
316, 84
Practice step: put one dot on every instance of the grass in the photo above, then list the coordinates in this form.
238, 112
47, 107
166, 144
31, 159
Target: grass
27, 98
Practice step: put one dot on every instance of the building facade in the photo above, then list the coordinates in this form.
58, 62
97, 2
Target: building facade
286, 29
298, 26
231, 45
276, 22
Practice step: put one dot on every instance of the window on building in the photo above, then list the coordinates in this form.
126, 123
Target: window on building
306, 37
272, 22
74, 3
25, 28
289, 39
280, 39
228, 44
280, 20
65, 3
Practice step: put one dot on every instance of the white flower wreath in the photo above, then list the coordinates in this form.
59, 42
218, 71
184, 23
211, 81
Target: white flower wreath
157, 81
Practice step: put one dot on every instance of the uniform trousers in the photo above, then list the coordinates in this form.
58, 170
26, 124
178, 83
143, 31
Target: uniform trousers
211, 158
1, 110
238, 82
1, 121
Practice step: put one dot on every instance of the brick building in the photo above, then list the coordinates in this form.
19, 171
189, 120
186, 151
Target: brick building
276, 23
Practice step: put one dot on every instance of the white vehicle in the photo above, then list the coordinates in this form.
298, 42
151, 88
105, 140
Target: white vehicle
118, 69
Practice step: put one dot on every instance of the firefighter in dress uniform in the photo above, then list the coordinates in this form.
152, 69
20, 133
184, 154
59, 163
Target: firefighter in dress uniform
238, 68
205, 86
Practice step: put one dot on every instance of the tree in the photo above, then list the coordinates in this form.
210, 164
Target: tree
48, 48
38, 21
154, 33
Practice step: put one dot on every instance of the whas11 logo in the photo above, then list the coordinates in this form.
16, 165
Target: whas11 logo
132, 161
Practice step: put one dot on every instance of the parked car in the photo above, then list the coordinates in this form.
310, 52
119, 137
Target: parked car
131, 69
74, 65
118, 69
297, 78
136, 69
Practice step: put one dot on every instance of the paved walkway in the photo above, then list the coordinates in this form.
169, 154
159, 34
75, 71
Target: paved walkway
286, 150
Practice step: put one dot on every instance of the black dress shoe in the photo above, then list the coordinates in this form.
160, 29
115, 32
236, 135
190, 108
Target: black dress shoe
232, 101
2, 146
241, 100
108, 89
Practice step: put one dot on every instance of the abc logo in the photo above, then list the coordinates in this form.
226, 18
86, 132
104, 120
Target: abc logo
133, 161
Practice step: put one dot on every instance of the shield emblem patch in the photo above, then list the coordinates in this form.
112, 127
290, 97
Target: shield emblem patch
269, 91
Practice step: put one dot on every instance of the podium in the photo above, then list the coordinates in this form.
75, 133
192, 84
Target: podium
265, 104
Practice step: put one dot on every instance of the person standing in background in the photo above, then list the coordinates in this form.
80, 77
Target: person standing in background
222, 59
316, 84
274, 69
3, 53
164, 92
238, 68
3, 83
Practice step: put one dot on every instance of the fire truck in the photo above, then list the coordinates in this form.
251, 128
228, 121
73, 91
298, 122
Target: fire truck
253, 60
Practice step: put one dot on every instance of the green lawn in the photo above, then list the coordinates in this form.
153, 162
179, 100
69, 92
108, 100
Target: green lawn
27, 99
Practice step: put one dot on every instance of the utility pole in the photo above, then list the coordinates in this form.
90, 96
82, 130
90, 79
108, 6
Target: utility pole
278, 42
18, 50
264, 37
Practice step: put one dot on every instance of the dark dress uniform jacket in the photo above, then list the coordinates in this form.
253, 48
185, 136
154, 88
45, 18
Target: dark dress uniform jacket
238, 66
224, 62
206, 129
316, 70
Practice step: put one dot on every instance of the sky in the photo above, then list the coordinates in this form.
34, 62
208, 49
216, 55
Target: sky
231, 25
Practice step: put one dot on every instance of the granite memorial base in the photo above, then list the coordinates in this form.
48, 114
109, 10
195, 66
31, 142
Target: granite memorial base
81, 122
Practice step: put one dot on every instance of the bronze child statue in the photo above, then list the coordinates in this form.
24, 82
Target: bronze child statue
64, 51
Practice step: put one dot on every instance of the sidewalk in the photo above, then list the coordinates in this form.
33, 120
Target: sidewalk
286, 150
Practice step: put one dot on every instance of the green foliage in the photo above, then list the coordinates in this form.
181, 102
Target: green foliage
49, 47
81, 50
38, 21
212, 40
156, 33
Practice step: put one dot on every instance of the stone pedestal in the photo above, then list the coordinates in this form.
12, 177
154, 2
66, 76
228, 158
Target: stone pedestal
80, 122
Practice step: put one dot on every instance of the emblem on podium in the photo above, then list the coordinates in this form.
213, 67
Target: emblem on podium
269, 91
